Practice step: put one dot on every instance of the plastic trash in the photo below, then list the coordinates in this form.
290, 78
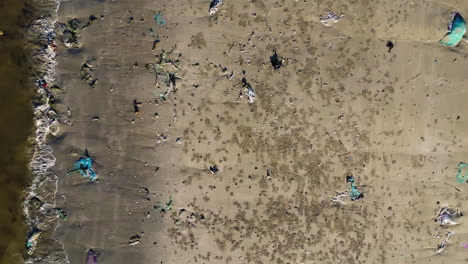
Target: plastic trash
61, 213
214, 5
136, 239
276, 62
214, 169
355, 194
456, 28
159, 18
250, 92
85, 167
330, 18
390, 46
92, 257
445, 241
338, 198
32, 237
446, 215
462, 178
166, 207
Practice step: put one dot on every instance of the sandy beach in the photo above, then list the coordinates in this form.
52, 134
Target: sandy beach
338, 104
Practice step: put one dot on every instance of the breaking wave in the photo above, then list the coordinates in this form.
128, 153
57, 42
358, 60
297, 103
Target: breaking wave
39, 206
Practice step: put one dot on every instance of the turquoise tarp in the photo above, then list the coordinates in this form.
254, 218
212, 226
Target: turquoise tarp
457, 29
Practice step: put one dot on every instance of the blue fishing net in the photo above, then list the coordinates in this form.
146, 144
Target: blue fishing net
457, 29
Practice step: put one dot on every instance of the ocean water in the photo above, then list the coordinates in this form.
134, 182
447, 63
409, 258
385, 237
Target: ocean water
28, 186
16, 122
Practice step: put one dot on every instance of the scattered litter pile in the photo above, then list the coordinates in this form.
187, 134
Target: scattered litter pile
456, 28
166, 207
214, 5
85, 167
446, 215
330, 18
354, 194
165, 69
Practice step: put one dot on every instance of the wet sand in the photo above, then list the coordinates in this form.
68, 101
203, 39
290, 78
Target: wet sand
341, 104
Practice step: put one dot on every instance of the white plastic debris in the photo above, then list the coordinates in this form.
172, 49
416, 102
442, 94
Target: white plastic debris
214, 5
444, 242
250, 93
338, 198
330, 18
445, 216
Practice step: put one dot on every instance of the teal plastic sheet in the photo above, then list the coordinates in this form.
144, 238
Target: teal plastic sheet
462, 177
457, 28
354, 194
159, 19
84, 166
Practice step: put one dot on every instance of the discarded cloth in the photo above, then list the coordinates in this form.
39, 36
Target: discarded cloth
85, 167
456, 28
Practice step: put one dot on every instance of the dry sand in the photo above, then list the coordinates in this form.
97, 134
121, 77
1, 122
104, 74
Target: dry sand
341, 104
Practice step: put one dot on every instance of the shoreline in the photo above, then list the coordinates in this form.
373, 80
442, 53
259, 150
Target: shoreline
39, 206
340, 104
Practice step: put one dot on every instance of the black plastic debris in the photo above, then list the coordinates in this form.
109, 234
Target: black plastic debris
214, 169
135, 239
155, 42
91, 20
136, 106
214, 5
275, 61
390, 46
